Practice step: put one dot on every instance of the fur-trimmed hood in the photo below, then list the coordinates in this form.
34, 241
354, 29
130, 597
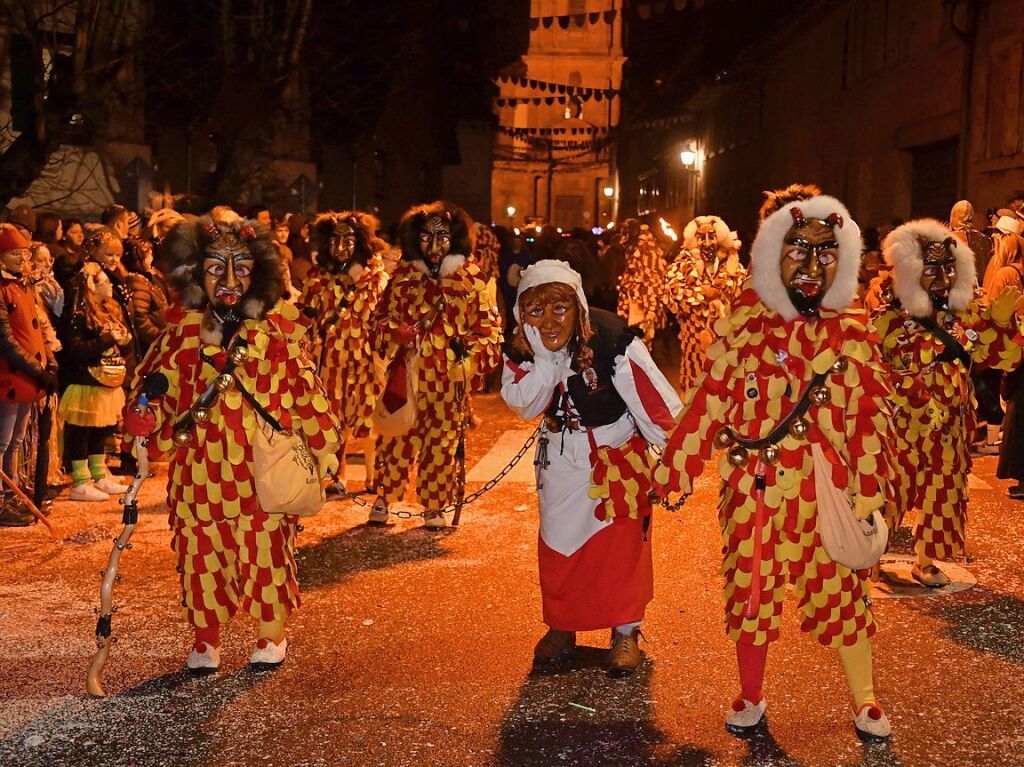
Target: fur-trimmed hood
463, 238
365, 227
904, 253
766, 252
728, 241
181, 254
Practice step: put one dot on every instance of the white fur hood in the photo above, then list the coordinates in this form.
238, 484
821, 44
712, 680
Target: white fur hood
903, 252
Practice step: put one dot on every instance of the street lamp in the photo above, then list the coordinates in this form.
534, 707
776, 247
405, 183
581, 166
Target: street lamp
688, 156
511, 210
609, 191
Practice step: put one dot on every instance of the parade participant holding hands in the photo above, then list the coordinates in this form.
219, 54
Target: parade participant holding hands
340, 299
795, 394
933, 333
236, 372
435, 319
603, 400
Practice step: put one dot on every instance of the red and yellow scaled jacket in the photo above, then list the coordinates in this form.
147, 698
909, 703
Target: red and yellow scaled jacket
912, 351
212, 478
640, 300
753, 377
453, 307
342, 309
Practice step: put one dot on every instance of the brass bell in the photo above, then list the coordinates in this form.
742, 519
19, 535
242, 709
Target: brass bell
799, 429
201, 415
239, 354
840, 365
738, 456
182, 438
770, 455
723, 438
223, 382
820, 395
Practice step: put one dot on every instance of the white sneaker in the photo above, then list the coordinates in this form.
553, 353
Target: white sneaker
744, 716
268, 655
379, 513
206, 661
435, 522
87, 491
110, 485
871, 722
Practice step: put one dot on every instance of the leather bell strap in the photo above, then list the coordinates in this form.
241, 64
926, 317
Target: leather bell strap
187, 421
782, 428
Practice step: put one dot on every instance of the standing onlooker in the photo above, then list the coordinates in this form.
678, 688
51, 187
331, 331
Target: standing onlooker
27, 367
280, 239
147, 290
117, 218
67, 263
961, 222
94, 331
50, 232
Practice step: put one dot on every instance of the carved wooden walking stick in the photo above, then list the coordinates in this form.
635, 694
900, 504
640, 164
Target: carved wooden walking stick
154, 386
28, 503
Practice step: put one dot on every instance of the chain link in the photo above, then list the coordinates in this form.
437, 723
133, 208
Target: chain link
487, 486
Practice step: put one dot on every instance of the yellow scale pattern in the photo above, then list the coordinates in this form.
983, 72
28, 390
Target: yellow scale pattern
935, 417
467, 314
231, 553
753, 375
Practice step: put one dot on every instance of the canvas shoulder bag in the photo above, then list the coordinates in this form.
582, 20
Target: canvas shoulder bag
856, 543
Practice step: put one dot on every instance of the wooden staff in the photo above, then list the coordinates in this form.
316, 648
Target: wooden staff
31, 506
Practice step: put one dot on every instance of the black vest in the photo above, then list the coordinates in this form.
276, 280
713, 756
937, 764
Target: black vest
591, 392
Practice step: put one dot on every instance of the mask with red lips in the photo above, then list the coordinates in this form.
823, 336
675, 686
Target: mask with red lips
227, 274
810, 258
435, 242
938, 272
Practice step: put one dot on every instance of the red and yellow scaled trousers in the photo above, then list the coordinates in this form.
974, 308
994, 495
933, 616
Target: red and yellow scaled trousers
753, 377
231, 553
932, 433
453, 306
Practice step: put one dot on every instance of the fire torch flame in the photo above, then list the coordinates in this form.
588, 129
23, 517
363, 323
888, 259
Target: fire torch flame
667, 229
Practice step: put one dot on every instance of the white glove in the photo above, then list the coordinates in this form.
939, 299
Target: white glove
540, 352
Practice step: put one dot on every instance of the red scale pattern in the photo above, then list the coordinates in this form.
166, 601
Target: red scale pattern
230, 552
411, 299
753, 375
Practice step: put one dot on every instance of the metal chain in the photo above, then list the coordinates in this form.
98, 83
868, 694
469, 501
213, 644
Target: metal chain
402, 514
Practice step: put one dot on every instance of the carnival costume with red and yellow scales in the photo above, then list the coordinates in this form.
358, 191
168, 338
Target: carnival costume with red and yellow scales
763, 361
454, 305
231, 553
932, 435
698, 292
640, 285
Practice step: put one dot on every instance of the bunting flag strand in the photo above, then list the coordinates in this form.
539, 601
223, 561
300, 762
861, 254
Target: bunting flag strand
584, 131
512, 101
644, 10
578, 91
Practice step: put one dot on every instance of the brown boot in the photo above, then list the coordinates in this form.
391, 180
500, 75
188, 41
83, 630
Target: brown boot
554, 646
624, 658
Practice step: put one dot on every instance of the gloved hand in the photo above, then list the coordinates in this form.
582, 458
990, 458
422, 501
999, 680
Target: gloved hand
540, 352
1004, 305
327, 465
139, 422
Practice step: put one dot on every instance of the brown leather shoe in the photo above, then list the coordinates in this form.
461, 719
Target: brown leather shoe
554, 646
624, 658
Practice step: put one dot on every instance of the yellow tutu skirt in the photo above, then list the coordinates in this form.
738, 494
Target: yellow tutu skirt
84, 405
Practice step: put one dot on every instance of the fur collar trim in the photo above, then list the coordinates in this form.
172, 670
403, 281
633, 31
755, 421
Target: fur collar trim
903, 253
451, 264
765, 256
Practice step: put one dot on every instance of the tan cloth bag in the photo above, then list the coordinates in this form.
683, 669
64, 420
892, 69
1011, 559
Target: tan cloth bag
395, 411
285, 473
856, 543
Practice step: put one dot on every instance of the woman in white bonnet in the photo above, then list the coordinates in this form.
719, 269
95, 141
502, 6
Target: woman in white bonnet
603, 400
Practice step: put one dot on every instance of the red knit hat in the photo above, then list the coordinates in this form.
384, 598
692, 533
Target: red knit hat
11, 239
